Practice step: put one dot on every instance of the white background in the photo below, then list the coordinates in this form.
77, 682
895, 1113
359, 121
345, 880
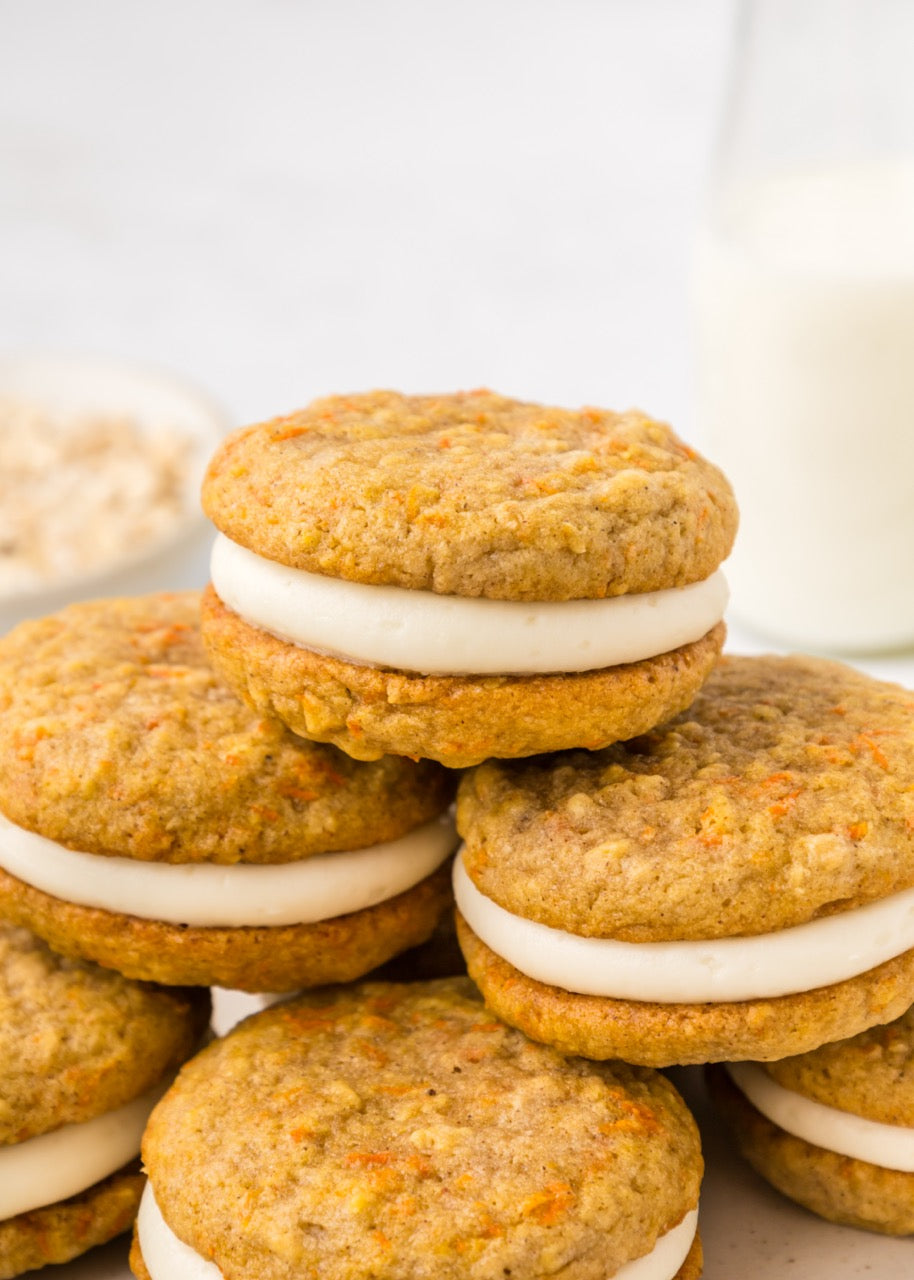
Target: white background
283, 199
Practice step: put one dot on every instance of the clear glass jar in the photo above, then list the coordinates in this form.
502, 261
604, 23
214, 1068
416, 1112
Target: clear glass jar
804, 312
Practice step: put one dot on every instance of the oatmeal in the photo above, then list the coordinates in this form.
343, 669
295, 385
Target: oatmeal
79, 492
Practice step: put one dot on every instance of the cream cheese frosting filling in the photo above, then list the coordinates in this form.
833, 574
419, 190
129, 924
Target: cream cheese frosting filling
801, 958
888, 1145
168, 1258
56, 1165
433, 634
316, 888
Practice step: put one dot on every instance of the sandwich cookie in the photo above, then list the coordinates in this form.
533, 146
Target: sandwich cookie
832, 1129
400, 1130
738, 883
149, 821
84, 1056
465, 576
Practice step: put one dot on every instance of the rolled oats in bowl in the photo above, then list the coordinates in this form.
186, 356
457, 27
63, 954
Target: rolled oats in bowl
74, 492
100, 465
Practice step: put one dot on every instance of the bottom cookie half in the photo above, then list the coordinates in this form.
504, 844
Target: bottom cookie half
457, 720
836, 1187
280, 958
59, 1232
665, 1035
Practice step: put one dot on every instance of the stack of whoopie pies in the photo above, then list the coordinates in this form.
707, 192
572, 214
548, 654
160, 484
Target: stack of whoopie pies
668, 857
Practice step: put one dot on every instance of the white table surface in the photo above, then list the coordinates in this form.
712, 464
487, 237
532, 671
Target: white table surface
282, 198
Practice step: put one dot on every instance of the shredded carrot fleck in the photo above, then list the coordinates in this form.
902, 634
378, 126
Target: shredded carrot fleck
295, 793
374, 1052
865, 740
289, 434
635, 1118
784, 806
375, 1022
857, 830
550, 1204
268, 815
710, 833
366, 1159
309, 1019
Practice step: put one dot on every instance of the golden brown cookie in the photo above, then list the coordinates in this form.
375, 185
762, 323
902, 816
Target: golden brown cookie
84, 1053
384, 1125
445, 502
149, 821
838, 1186
711, 890
117, 737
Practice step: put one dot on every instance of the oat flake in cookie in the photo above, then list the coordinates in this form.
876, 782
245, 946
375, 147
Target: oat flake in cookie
736, 884
401, 1131
464, 576
151, 822
832, 1129
84, 1056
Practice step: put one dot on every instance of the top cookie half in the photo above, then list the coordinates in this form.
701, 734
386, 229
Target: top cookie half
474, 495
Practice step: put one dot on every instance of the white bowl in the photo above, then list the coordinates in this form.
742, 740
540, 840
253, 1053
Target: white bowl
69, 386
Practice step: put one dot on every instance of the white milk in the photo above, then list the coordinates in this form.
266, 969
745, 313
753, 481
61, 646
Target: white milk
805, 314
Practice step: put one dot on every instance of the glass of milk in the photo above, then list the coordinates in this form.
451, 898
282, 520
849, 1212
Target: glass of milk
804, 298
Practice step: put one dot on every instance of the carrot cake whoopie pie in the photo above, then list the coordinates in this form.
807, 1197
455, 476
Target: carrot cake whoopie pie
832, 1129
400, 1130
151, 822
738, 883
465, 576
84, 1056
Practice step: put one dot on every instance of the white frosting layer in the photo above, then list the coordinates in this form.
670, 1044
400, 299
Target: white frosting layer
888, 1145
206, 895
59, 1164
455, 635
168, 1258
801, 958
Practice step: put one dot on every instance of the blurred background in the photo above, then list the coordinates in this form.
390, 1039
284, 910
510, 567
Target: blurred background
286, 198
281, 199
